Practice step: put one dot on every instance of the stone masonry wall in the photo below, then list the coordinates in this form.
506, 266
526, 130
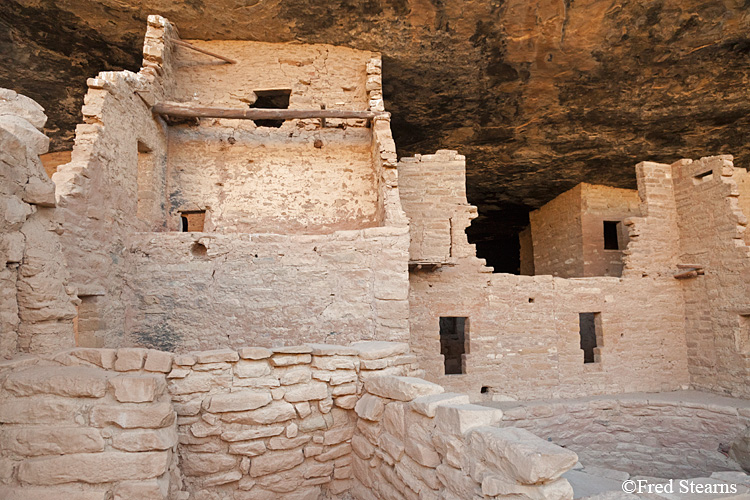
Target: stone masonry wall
413, 441
299, 178
653, 435
255, 424
88, 424
37, 306
433, 194
717, 305
98, 191
599, 204
190, 291
523, 333
556, 232
286, 180
567, 233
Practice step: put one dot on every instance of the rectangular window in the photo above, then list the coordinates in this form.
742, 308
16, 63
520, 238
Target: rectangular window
193, 221
271, 99
591, 336
611, 235
453, 343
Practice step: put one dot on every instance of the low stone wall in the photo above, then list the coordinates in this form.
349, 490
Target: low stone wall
263, 424
671, 435
90, 425
415, 442
300, 423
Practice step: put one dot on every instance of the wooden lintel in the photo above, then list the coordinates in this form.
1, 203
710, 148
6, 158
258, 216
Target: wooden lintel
203, 51
686, 275
183, 110
689, 266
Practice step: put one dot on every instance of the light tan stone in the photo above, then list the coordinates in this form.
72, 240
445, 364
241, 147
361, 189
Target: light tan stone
93, 467
458, 419
306, 392
39, 410
296, 375
130, 416
140, 490
277, 411
271, 462
158, 361
250, 448
519, 454
370, 407
346, 402
251, 369
57, 493
255, 353
236, 401
290, 359
427, 405
201, 464
379, 349
59, 440
332, 350
216, 356
74, 381
137, 388
247, 433
103, 358
145, 439
283, 443
130, 359
401, 388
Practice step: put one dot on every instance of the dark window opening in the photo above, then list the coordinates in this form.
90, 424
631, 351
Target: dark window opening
702, 177
484, 389
453, 344
496, 236
611, 235
193, 222
271, 99
589, 330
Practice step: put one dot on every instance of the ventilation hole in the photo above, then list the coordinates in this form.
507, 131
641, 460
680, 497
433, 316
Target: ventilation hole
199, 250
531, 300
271, 99
484, 389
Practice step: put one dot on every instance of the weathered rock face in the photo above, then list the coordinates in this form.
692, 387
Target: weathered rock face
538, 95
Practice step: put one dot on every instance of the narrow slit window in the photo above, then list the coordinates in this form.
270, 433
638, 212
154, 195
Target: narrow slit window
611, 235
590, 333
453, 343
193, 221
271, 99
703, 177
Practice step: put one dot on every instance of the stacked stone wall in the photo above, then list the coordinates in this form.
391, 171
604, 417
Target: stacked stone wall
98, 191
413, 441
257, 423
37, 305
88, 424
712, 229
651, 435
556, 231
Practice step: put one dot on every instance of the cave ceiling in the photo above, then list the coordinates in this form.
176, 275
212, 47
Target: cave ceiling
538, 94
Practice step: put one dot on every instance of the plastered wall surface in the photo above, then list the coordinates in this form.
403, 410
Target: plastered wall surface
191, 291
274, 180
316, 74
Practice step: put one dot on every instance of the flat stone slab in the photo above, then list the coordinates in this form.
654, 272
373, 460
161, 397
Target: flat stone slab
401, 388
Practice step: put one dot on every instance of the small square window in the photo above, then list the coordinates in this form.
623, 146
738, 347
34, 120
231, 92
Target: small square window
193, 221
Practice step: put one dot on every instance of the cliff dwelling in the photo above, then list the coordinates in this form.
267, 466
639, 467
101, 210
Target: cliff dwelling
232, 287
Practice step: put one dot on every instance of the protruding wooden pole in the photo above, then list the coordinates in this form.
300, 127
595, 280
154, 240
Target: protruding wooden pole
203, 51
181, 110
